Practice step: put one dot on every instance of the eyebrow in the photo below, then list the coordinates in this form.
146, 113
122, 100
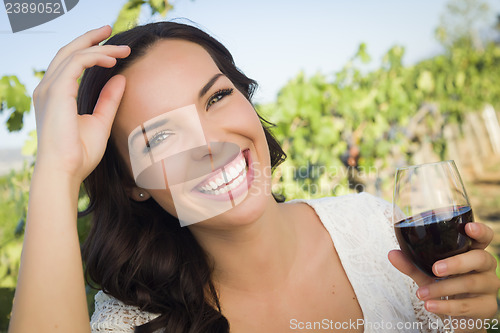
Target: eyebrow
156, 124
150, 127
209, 84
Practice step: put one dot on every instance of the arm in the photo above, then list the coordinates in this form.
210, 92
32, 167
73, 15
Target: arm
50, 295
50, 292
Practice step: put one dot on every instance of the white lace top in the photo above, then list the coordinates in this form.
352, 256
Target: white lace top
361, 230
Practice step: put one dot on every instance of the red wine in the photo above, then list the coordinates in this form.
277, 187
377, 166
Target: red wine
434, 235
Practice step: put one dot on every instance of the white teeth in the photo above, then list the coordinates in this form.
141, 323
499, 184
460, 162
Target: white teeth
224, 189
231, 186
237, 181
233, 172
235, 175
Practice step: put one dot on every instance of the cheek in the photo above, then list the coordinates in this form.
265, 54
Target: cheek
243, 119
249, 125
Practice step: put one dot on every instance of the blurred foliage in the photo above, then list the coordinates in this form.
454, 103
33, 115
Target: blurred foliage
130, 12
14, 190
386, 113
464, 22
13, 202
14, 99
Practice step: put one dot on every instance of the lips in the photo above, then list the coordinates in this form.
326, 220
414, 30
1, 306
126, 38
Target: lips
226, 178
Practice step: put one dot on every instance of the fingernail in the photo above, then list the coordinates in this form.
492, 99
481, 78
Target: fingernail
441, 268
422, 292
430, 306
473, 227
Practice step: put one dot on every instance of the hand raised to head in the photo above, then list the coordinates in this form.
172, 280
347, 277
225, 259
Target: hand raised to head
74, 144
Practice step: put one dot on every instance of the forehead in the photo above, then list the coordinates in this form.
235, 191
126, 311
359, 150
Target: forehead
169, 76
172, 69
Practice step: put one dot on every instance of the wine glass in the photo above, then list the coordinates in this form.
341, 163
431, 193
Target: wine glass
430, 210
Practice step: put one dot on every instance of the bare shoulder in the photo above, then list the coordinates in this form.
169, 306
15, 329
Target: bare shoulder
310, 230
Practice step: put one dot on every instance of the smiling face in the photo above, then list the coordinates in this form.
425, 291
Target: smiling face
210, 150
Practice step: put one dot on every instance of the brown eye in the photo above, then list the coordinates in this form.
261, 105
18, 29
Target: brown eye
218, 96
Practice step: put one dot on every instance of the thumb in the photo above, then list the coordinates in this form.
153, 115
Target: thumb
399, 260
109, 100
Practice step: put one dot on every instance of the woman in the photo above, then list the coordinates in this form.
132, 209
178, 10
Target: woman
255, 266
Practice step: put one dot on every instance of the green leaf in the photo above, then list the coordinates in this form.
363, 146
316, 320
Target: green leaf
15, 121
425, 81
20, 227
38, 74
160, 6
13, 97
460, 79
362, 54
128, 16
30, 145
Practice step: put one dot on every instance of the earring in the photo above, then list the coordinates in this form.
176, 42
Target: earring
141, 195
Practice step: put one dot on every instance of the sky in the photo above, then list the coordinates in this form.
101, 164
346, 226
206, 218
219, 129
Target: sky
271, 41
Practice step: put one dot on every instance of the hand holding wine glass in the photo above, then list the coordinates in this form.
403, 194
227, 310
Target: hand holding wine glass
433, 224
430, 210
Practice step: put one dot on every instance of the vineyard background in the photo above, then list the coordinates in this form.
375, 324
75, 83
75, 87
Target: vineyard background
343, 132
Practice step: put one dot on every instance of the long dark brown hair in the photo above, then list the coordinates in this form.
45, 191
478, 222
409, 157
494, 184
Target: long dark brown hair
136, 251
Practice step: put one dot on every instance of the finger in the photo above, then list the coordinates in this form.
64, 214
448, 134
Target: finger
405, 266
88, 39
115, 51
95, 129
480, 233
484, 306
473, 260
464, 284
109, 100
68, 74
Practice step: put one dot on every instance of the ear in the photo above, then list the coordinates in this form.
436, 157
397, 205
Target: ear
138, 194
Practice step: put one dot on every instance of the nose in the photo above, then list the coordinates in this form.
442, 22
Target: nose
217, 151
200, 153
223, 153
212, 135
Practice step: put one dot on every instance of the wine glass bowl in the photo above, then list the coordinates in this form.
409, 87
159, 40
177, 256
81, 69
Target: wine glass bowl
430, 210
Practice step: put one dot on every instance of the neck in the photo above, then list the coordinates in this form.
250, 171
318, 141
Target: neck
255, 257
